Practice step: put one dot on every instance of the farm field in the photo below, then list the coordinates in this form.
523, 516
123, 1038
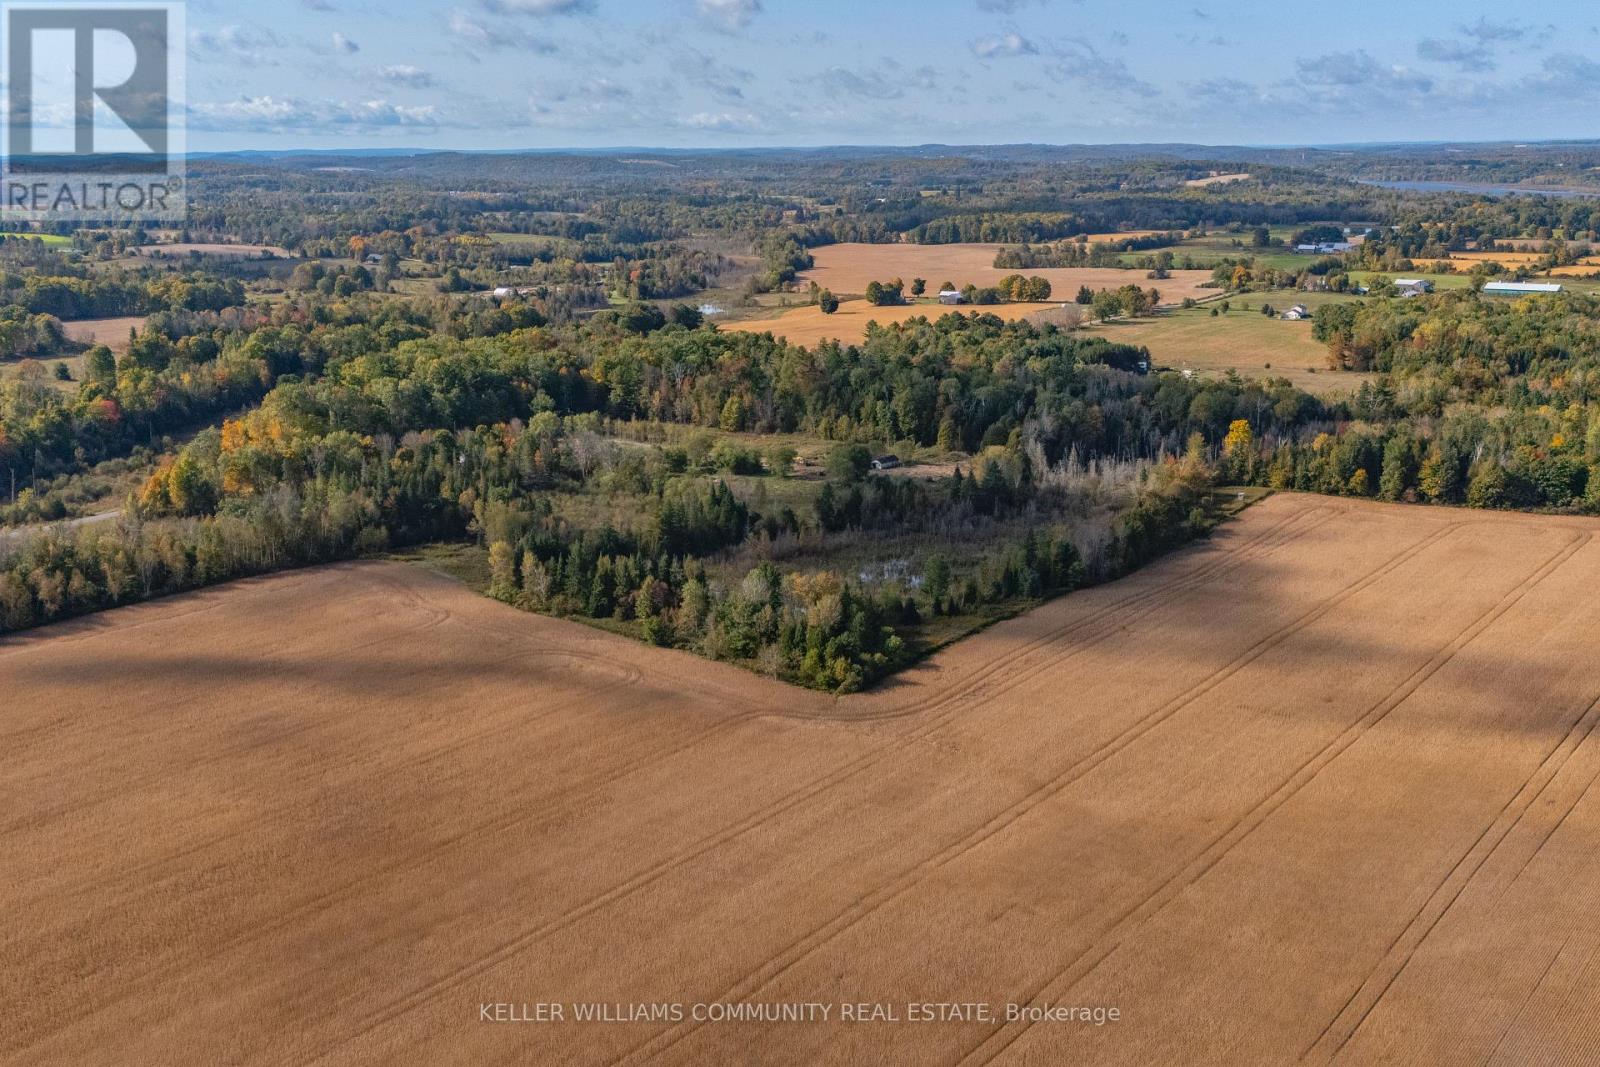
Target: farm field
113, 333
1220, 245
55, 240
1217, 179
809, 326
226, 251
1243, 340
330, 816
847, 268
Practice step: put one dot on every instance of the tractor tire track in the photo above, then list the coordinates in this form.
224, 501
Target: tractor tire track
949, 704
1148, 907
775, 967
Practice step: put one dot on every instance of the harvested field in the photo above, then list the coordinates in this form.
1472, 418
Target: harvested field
1119, 235
809, 326
1218, 179
847, 268
113, 333
1303, 791
222, 250
1505, 259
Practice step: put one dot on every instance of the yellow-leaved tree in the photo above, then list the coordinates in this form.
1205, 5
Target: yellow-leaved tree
1238, 451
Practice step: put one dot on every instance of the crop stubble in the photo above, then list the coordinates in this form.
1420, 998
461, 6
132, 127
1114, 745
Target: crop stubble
1318, 788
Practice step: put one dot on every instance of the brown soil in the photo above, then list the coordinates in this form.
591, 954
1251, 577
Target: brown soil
1318, 787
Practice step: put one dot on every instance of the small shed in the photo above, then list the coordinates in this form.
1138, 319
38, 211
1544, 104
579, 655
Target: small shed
886, 463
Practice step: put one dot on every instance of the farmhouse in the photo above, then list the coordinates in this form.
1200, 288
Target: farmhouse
1520, 288
1413, 286
951, 296
1297, 313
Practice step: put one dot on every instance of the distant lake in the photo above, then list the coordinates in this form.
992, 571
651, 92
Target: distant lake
1483, 189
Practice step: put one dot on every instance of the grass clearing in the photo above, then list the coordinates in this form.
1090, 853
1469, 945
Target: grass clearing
115, 334
55, 240
1243, 340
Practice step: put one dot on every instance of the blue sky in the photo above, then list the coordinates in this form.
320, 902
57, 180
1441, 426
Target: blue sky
691, 73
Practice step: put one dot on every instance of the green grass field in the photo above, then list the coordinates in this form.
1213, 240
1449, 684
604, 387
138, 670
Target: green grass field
1440, 281
1243, 340
47, 238
1213, 248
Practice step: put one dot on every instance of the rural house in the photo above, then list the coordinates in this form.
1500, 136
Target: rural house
886, 463
1413, 286
951, 296
1297, 313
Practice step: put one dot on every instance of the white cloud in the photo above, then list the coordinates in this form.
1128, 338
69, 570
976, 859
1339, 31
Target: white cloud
1358, 71
296, 116
1004, 45
1484, 30
729, 15
722, 122
539, 8
478, 34
1468, 57
868, 84
341, 43
1080, 63
717, 78
404, 74
241, 45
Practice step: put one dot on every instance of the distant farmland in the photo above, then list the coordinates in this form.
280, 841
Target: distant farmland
848, 268
113, 333
1243, 340
809, 326
331, 817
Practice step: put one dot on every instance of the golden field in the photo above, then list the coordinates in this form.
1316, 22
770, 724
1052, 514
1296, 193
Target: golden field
1509, 259
226, 251
1218, 179
848, 268
1299, 792
1120, 235
808, 326
113, 333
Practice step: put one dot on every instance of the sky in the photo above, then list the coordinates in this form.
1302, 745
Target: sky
501, 74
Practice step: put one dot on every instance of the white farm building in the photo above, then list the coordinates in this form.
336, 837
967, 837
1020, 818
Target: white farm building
1520, 288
